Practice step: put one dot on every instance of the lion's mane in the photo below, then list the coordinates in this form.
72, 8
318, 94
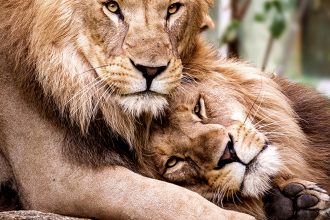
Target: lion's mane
293, 117
48, 83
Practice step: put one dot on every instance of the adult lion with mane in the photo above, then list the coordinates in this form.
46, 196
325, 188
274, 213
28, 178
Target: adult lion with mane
80, 83
247, 142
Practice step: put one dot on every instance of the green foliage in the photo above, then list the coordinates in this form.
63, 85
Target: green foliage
231, 32
277, 27
274, 13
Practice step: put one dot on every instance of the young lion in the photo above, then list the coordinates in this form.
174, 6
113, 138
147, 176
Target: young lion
80, 81
233, 136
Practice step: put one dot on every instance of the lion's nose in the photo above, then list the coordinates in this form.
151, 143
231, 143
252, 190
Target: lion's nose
229, 155
149, 73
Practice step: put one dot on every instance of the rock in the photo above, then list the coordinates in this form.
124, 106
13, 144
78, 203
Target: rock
27, 215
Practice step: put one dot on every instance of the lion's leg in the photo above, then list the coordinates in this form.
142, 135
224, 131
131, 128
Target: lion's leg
48, 181
5, 170
117, 193
8, 191
297, 199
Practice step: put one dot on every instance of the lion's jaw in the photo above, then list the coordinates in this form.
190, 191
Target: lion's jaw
251, 171
86, 56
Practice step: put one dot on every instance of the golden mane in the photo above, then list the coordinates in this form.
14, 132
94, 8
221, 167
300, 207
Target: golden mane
58, 85
80, 84
294, 119
268, 100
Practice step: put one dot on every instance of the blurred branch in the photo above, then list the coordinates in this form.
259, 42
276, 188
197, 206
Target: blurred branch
295, 27
267, 53
239, 9
274, 13
242, 11
238, 12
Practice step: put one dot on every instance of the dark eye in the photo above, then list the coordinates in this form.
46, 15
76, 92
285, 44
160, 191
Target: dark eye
197, 109
113, 7
174, 8
200, 109
172, 162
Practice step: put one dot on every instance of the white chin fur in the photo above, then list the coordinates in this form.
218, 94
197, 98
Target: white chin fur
257, 180
146, 103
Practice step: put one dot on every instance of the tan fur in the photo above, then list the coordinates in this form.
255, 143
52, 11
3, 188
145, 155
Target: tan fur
267, 113
74, 110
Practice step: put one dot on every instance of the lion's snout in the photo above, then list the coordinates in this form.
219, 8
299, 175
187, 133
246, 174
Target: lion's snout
229, 154
149, 72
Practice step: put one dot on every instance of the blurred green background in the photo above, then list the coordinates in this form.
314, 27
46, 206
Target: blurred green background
289, 37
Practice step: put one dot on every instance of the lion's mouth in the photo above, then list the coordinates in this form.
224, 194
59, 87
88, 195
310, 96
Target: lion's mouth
145, 93
230, 156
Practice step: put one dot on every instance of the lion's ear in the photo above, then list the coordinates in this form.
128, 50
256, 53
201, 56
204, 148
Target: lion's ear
207, 23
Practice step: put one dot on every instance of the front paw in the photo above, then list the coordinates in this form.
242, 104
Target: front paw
299, 200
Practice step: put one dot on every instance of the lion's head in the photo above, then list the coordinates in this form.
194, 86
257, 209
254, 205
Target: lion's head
228, 136
93, 55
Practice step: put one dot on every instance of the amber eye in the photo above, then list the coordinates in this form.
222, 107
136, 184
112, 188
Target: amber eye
171, 162
172, 9
113, 7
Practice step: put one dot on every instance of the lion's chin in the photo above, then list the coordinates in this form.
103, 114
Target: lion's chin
138, 104
257, 179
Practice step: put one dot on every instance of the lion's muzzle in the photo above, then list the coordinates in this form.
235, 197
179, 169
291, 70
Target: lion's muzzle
229, 155
149, 73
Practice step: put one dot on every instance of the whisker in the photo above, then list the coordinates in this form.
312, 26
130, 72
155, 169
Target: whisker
94, 68
85, 88
81, 106
107, 90
261, 86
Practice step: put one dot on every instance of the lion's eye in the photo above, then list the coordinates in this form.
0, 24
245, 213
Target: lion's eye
174, 8
172, 162
197, 109
200, 109
113, 7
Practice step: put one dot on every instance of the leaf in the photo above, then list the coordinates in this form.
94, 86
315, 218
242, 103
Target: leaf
277, 27
231, 32
268, 5
260, 17
278, 6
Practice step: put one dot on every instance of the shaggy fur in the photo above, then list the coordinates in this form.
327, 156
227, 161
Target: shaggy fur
293, 118
75, 100
313, 112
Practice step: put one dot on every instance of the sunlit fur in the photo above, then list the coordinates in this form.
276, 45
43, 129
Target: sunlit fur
72, 61
234, 91
80, 54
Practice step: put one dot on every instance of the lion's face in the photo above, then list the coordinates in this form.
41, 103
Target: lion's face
92, 54
210, 146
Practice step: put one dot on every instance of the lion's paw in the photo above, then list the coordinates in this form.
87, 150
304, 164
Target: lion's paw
299, 200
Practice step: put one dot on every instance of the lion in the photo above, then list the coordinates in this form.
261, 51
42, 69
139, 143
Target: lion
80, 84
247, 142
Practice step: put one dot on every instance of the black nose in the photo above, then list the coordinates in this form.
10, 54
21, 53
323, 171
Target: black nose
149, 73
229, 155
